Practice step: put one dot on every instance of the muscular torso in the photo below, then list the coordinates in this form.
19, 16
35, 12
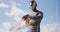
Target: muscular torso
36, 22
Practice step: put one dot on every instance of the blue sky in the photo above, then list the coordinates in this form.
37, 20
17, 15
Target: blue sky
50, 9
58, 10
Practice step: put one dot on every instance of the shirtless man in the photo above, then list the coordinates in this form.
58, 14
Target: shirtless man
36, 18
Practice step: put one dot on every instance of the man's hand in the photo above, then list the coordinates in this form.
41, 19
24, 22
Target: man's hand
25, 17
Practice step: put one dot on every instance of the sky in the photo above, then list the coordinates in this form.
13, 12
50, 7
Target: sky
11, 12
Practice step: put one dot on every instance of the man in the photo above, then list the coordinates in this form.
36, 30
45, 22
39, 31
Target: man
37, 17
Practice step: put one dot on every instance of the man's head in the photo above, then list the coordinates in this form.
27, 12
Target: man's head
33, 5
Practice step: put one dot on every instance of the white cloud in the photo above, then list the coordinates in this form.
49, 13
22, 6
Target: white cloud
17, 27
16, 13
7, 25
15, 3
50, 28
0, 30
2, 5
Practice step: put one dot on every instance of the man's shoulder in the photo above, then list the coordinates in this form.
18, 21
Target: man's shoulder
39, 11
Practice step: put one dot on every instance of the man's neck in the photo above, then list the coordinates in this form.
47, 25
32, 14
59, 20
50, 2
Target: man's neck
35, 10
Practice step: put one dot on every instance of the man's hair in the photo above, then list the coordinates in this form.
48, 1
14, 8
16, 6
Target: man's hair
32, 2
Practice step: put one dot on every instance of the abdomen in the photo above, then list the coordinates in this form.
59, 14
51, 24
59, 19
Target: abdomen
33, 29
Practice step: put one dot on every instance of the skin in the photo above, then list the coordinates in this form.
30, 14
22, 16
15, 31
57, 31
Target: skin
33, 6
